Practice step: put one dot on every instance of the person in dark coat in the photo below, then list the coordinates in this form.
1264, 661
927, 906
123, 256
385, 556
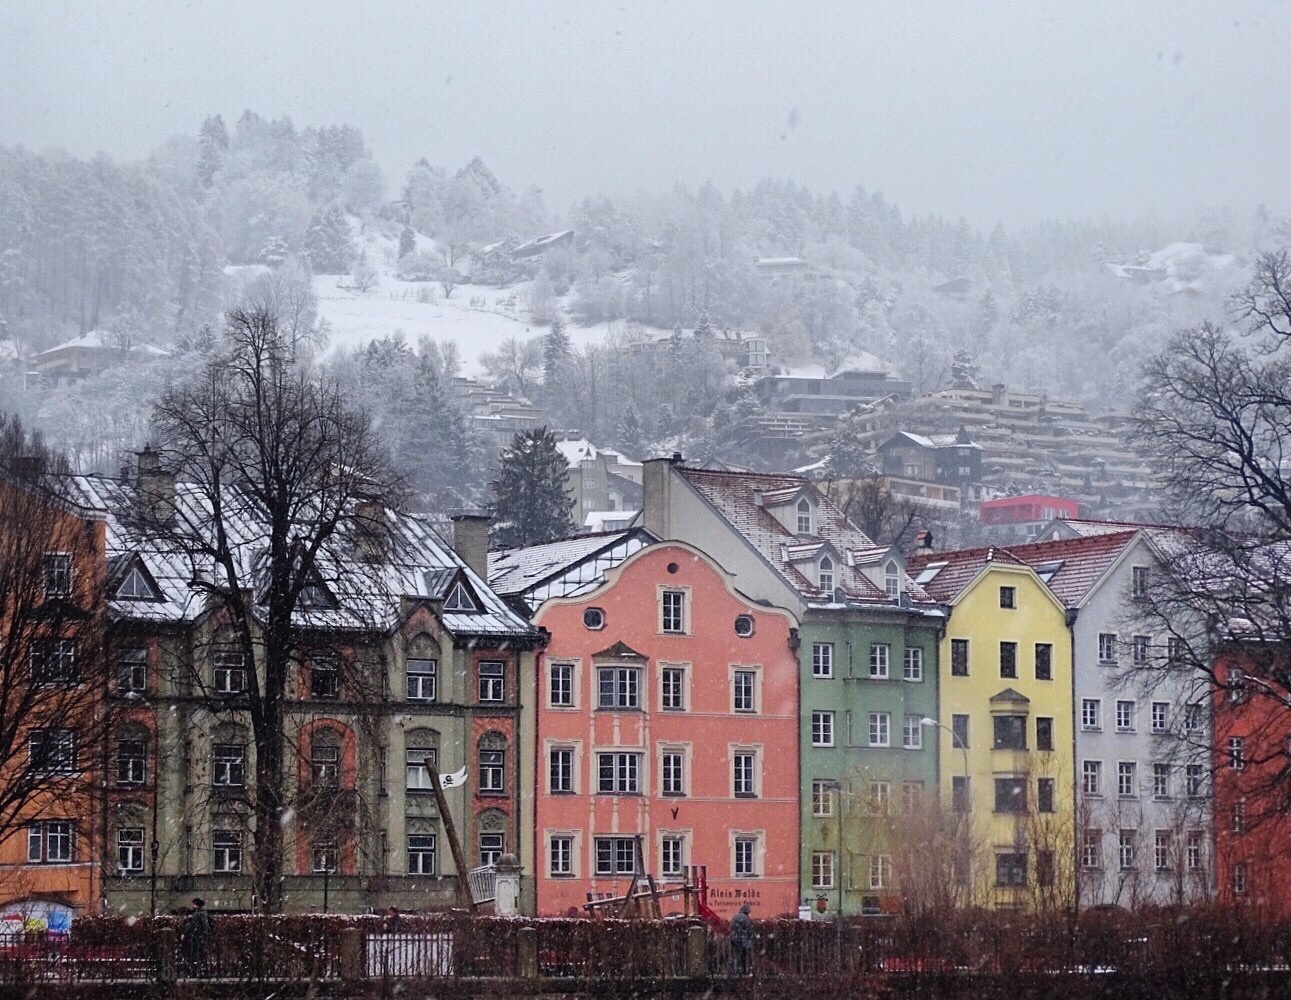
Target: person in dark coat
742, 941
195, 937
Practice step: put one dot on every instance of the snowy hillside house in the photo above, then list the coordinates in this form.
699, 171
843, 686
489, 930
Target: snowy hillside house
90, 354
600, 479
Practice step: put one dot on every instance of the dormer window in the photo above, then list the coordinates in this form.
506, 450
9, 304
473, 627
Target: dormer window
459, 599
135, 587
892, 580
826, 571
804, 516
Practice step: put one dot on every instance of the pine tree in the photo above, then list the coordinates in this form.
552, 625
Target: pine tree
213, 143
556, 350
631, 433
274, 251
531, 503
327, 242
704, 331
407, 242
964, 372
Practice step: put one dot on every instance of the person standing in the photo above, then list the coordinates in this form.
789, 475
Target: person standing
195, 937
742, 941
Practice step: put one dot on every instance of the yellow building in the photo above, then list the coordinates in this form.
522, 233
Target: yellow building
1005, 728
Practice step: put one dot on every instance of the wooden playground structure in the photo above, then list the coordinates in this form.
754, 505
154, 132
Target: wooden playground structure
644, 896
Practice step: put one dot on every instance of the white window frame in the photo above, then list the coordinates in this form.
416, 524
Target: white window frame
880, 661
616, 866
674, 611
744, 690
669, 673
746, 850
561, 683
422, 853
912, 734
1126, 710
822, 660
624, 772
1162, 779
492, 685
822, 797
562, 769
746, 773
912, 664
880, 729
822, 729
1091, 715
1162, 845
880, 872
226, 852
1107, 647
426, 675
626, 695
1091, 778
673, 771
822, 869
130, 844
560, 855
1127, 775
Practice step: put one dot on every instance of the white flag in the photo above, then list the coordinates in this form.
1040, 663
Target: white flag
453, 780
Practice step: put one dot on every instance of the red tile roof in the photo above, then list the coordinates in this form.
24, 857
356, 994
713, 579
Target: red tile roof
959, 568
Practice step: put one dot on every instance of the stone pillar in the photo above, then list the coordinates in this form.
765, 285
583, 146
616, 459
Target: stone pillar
351, 954
506, 888
167, 950
696, 951
527, 956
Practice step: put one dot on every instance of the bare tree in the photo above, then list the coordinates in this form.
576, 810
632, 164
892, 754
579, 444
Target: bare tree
276, 471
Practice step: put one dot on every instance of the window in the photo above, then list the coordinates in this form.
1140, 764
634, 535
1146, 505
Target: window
879, 656
822, 729
1239, 879
228, 765
1236, 681
1194, 846
880, 729
804, 516
673, 695
1236, 753
1091, 774
1175, 649
618, 687
323, 857
880, 872
672, 853
879, 801
50, 842
1125, 716
561, 854
1010, 870
826, 574
1008, 597
325, 764
1091, 714
561, 685
1239, 817
1010, 795
422, 676
959, 731
492, 769
460, 599
673, 771
1010, 732
1106, 647
1125, 849
1160, 781
53, 662
822, 798
1160, 716
1139, 582
52, 751
492, 678
561, 770
421, 854
743, 686
822, 869
1091, 849
912, 665
1043, 661
1194, 781
822, 659
132, 762
226, 852
912, 732
1008, 659
130, 850
1043, 733
746, 857
416, 777
615, 855
132, 671
1126, 779
1193, 718
492, 847
911, 796
57, 568
959, 657
673, 610
594, 619
744, 626
892, 580
324, 678
959, 794
1044, 795
230, 673
1162, 847
1140, 650
744, 774
618, 773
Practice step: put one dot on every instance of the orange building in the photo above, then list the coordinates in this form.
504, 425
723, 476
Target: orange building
668, 719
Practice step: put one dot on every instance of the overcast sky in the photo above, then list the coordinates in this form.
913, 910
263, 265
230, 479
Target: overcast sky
1020, 111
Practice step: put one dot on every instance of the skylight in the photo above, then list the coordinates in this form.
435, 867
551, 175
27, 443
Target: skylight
929, 571
1045, 571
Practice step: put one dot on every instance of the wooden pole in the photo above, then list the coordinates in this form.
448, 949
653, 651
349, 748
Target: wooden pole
464, 897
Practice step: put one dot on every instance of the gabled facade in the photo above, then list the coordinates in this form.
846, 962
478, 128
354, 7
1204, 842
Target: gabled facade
1004, 732
867, 661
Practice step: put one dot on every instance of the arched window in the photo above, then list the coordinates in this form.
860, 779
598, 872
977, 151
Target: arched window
804, 516
493, 764
493, 836
420, 745
325, 757
826, 568
892, 579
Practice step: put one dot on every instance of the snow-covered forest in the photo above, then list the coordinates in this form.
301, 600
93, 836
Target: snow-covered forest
403, 282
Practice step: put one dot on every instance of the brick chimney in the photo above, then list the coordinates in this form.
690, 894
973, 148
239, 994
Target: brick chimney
154, 486
471, 541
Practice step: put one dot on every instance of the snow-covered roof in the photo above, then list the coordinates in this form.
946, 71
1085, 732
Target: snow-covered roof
576, 450
609, 520
104, 340
562, 568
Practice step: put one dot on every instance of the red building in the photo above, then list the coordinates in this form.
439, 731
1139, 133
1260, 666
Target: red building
668, 712
1023, 517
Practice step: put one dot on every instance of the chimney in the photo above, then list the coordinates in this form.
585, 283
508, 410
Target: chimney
471, 541
154, 486
370, 530
656, 496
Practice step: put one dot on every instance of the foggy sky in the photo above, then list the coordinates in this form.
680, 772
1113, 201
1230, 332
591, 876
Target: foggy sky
993, 110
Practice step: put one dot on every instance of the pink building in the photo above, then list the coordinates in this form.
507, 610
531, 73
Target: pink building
667, 708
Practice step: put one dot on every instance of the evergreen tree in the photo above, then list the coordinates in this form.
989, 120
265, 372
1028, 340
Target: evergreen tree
407, 242
213, 143
274, 251
531, 503
964, 371
556, 352
631, 434
327, 242
704, 331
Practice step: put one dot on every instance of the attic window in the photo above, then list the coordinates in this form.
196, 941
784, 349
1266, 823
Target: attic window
312, 595
826, 573
459, 599
928, 572
804, 516
892, 579
135, 587
1046, 571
